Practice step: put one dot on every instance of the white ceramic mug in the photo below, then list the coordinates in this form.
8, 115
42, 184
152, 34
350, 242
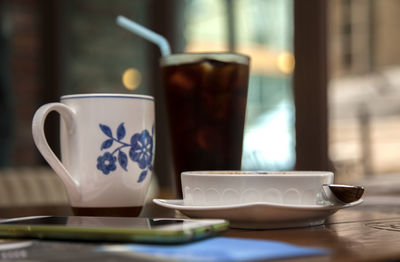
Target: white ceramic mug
107, 150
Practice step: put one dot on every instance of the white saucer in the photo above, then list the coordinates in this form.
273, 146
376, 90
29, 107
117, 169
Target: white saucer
259, 215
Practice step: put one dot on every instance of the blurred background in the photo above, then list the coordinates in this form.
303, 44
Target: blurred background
324, 91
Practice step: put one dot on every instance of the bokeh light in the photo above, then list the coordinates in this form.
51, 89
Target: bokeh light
131, 78
285, 62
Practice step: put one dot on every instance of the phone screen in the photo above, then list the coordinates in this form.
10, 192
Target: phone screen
108, 222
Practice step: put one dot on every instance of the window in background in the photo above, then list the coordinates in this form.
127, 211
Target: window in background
364, 89
100, 56
264, 31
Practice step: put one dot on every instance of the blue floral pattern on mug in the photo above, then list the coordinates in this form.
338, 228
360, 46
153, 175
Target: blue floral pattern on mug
140, 151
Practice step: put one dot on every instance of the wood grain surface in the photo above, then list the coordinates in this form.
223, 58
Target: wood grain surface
363, 233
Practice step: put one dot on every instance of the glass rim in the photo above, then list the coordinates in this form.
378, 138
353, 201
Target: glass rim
185, 58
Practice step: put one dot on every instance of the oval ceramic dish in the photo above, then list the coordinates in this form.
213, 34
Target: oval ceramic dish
260, 215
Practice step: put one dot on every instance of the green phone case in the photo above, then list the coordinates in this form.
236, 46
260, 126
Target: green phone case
122, 234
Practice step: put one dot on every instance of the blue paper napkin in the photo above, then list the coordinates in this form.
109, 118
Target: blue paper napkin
222, 249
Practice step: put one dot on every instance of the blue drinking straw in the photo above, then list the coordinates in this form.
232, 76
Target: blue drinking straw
145, 33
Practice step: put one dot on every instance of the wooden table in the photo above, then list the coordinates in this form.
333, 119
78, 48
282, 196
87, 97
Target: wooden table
363, 233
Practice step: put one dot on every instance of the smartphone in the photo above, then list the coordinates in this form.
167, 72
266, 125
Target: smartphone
121, 229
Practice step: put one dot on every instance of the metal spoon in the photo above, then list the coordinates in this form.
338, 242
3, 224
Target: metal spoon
342, 194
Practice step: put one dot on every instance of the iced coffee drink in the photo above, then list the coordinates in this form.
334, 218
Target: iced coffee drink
206, 97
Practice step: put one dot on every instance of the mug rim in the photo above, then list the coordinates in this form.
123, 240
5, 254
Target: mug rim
107, 95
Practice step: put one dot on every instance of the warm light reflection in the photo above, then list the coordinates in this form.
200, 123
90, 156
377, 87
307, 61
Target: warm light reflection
265, 60
131, 78
285, 62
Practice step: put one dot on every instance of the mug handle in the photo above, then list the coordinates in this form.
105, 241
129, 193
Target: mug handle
39, 137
